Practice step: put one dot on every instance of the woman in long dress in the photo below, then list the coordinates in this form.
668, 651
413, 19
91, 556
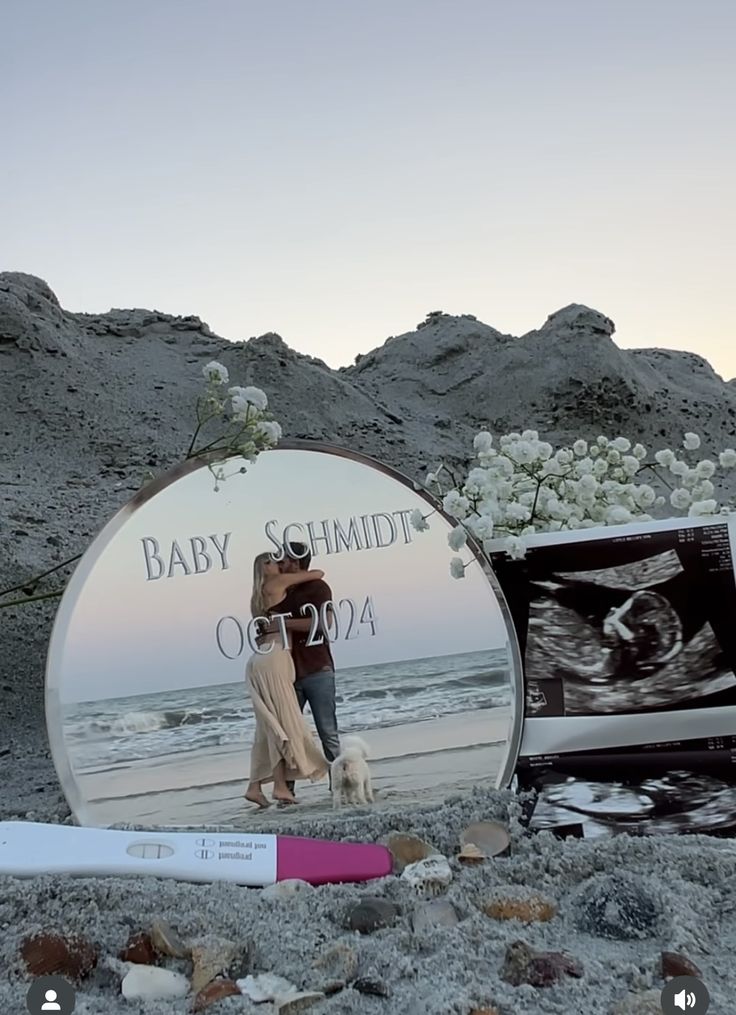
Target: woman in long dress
283, 747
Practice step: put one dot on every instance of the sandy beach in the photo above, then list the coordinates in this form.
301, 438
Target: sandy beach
427, 760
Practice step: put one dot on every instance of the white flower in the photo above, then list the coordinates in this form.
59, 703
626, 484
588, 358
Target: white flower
645, 496
680, 499
243, 397
618, 515
703, 507
515, 547
689, 479
563, 456
622, 444
522, 452
518, 512
679, 468
630, 465
600, 467
580, 448
584, 467
455, 504
588, 483
530, 435
482, 527
418, 521
613, 456
483, 441
727, 458
659, 502
639, 452
477, 481
691, 442
544, 451
457, 568
665, 458
457, 538
271, 430
703, 491
602, 442
216, 373
705, 469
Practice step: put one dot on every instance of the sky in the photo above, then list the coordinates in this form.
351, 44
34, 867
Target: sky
334, 171
127, 627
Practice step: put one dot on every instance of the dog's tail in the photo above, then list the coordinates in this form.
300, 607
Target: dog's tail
356, 743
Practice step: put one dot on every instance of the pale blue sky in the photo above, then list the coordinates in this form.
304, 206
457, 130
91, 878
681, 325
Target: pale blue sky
335, 170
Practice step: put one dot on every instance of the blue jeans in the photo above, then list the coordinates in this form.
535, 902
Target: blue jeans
318, 690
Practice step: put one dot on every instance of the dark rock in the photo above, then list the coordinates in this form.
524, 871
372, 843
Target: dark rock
523, 964
372, 914
675, 964
376, 988
617, 906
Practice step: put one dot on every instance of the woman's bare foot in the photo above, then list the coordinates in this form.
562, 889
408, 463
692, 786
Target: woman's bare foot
256, 796
283, 796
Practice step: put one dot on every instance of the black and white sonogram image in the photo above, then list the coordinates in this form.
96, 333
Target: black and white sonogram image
626, 624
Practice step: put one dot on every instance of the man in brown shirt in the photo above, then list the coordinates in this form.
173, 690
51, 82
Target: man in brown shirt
314, 665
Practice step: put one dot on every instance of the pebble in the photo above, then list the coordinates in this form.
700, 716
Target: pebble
491, 837
166, 941
520, 904
374, 988
287, 889
429, 877
266, 987
648, 1003
46, 954
407, 849
523, 964
210, 958
298, 1002
372, 914
150, 983
139, 949
435, 913
675, 964
338, 966
215, 992
618, 907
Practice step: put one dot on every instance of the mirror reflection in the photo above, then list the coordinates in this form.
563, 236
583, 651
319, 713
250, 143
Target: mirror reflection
285, 645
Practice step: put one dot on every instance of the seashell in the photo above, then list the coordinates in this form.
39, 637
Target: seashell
46, 954
374, 988
286, 889
523, 964
470, 853
139, 949
338, 965
215, 992
429, 877
675, 964
491, 837
166, 941
209, 959
297, 1002
265, 987
148, 983
527, 906
407, 849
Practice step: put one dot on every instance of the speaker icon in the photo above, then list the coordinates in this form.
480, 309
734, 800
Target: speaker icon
685, 994
685, 1000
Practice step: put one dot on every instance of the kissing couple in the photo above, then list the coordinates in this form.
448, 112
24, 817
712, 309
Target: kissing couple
282, 679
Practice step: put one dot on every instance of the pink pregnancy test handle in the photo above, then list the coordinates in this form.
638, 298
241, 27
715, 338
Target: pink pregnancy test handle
321, 862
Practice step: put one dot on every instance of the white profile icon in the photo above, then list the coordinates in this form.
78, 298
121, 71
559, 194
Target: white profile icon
51, 1004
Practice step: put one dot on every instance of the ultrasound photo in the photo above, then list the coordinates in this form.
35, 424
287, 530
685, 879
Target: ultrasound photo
626, 625
690, 789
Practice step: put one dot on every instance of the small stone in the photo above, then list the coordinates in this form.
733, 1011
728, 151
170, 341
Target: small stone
150, 983
166, 941
491, 837
435, 913
338, 966
408, 849
675, 964
209, 959
523, 964
47, 954
375, 988
520, 904
287, 889
372, 914
215, 992
139, 949
293, 1003
470, 854
266, 987
647, 1003
429, 877
618, 907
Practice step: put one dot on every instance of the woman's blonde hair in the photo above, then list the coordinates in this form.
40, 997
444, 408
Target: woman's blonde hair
258, 598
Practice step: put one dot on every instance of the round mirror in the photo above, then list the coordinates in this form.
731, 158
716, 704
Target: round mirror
295, 633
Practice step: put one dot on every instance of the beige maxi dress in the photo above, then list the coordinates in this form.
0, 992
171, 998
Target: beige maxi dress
281, 729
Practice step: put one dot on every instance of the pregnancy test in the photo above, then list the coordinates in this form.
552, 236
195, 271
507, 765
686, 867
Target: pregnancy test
29, 848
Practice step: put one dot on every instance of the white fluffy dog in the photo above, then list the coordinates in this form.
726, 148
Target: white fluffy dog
351, 777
